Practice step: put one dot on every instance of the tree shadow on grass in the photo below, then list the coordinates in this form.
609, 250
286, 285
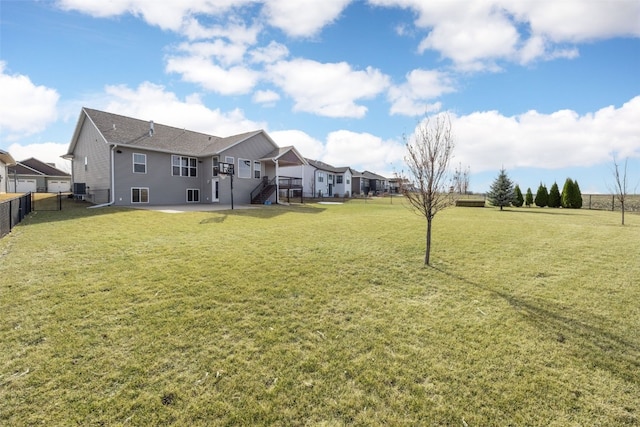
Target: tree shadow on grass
601, 347
546, 211
262, 212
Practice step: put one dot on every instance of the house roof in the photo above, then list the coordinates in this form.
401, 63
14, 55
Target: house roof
33, 166
6, 158
286, 156
327, 167
127, 131
371, 175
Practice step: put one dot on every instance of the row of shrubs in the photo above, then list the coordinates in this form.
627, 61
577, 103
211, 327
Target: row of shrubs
571, 197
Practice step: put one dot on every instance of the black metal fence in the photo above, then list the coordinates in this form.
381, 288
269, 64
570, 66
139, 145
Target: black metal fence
13, 211
47, 201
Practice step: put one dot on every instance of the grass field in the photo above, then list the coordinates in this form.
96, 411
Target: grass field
320, 315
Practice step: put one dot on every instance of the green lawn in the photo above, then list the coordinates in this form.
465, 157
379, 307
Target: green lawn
320, 315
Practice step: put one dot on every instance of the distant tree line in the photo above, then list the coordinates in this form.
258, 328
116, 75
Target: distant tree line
504, 193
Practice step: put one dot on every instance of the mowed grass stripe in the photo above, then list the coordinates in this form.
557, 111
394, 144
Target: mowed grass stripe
320, 314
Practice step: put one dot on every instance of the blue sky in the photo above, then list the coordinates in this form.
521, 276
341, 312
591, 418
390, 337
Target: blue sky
546, 89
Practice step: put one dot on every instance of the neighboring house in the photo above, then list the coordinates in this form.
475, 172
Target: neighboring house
126, 161
33, 175
5, 162
369, 183
321, 179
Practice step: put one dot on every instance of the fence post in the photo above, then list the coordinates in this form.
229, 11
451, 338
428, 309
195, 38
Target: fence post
613, 201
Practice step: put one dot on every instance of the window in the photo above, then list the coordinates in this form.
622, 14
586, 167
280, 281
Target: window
338, 179
330, 178
228, 159
216, 162
244, 168
139, 195
193, 195
86, 163
184, 166
348, 181
320, 176
257, 169
139, 163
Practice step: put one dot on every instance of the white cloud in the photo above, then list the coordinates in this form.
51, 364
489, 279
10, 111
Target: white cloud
329, 89
267, 97
488, 140
422, 85
363, 151
234, 30
225, 53
26, 108
474, 36
269, 54
306, 145
48, 152
153, 102
302, 18
171, 15
579, 20
235, 80
478, 34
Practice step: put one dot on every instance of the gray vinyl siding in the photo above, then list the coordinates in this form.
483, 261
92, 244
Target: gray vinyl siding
252, 149
91, 145
166, 189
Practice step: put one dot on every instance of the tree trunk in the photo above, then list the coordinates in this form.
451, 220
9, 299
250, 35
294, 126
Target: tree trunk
622, 208
427, 251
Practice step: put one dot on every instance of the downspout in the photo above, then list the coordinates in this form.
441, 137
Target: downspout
276, 161
113, 181
315, 180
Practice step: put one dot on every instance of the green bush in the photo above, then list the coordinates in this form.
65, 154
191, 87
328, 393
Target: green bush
554, 197
542, 196
518, 200
571, 196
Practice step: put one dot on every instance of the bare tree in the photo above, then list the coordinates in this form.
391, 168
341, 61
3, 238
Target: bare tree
461, 179
429, 152
620, 186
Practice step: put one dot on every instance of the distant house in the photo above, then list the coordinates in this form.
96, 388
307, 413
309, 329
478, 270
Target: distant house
369, 183
33, 175
321, 179
5, 162
127, 161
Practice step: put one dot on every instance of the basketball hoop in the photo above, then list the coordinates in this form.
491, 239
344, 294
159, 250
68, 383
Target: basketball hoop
224, 170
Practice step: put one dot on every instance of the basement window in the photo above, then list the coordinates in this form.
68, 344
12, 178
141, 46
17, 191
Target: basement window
139, 195
193, 195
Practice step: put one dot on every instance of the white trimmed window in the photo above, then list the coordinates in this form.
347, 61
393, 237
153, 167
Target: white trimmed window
184, 166
193, 195
257, 169
338, 179
139, 163
244, 168
320, 176
139, 195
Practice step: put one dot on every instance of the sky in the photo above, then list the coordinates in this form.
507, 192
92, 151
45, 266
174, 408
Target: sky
544, 89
